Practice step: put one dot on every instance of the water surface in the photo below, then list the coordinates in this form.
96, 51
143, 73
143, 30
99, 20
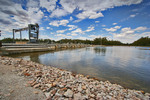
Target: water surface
127, 66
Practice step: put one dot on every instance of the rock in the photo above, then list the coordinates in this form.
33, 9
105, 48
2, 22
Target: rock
84, 87
147, 94
47, 94
87, 91
49, 85
61, 86
79, 88
57, 94
53, 84
33, 83
90, 86
142, 92
77, 96
27, 74
30, 82
146, 98
64, 89
68, 93
53, 92
35, 92
49, 98
98, 96
92, 95
108, 97
85, 97
37, 85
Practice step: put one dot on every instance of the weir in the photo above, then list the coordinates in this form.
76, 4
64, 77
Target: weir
33, 30
12, 48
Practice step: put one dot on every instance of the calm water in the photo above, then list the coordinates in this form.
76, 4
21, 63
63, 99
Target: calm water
127, 66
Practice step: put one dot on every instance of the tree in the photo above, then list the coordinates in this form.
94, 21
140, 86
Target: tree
143, 41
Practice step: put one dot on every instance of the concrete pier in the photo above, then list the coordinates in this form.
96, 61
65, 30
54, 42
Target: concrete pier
11, 48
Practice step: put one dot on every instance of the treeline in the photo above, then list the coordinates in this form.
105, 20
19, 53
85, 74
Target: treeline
96, 41
143, 41
10, 40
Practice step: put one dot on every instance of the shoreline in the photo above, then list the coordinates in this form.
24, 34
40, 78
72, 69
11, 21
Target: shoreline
62, 84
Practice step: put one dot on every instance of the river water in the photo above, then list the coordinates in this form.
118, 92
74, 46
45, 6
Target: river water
127, 66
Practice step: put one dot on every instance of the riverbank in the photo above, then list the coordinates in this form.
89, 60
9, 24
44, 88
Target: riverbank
61, 84
13, 87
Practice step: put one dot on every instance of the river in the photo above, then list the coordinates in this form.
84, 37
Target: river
127, 66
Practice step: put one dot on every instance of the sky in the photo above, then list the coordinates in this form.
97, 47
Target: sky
123, 20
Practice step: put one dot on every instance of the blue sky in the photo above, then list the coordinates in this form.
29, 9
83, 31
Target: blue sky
123, 20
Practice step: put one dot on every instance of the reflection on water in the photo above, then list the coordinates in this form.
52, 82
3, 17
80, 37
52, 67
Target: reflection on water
128, 66
100, 50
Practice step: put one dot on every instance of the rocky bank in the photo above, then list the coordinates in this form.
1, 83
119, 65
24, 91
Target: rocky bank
58, 84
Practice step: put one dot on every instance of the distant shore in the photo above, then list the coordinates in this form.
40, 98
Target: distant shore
57, 84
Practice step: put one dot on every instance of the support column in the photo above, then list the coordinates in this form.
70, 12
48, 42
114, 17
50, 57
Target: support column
29, 26
13, 35
20, 36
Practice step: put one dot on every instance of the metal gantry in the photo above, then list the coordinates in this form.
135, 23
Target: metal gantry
33, 30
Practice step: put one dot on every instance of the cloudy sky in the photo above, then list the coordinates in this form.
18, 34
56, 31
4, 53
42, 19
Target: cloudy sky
123, 20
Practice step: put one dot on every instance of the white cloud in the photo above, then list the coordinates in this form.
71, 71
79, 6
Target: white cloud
32, 3
97, 21
71, 19
89, 14
96, 15
91, 8
91, 28
117, 27
35, 14
58, 13
58, 23
74, 34
62, 36
71, 27
47, 27
103, 25
132, 15
14, 16
110, 29
128, 35
68, 33
113, 29
140, 28
51, 33
41, 28
78, 30
61, 31
114, 23
48, 4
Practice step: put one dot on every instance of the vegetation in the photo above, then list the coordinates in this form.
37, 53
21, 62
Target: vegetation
46, 41
10, 40
104, 41
143, 41
96, 41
